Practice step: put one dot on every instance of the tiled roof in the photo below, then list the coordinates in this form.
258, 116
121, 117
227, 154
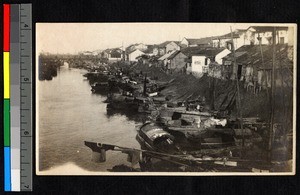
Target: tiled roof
251, 54
167, 55
201, 41
227, 36
207, 51
174, 54
162, 45
268, 28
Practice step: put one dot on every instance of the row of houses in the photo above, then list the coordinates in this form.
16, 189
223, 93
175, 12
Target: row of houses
250, 36
212, 55
253, 54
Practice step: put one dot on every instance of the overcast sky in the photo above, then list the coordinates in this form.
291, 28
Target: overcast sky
75, 37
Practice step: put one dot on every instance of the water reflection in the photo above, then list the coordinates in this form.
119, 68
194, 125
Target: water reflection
134, 116
69, 114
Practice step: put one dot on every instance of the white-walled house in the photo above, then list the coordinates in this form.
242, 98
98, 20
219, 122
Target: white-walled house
265, 33
251, 36
200, 60
239, 39
134, 54
200, 64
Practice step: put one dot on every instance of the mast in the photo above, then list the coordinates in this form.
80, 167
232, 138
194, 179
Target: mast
145, 85
235, 66
272, 99
238, 101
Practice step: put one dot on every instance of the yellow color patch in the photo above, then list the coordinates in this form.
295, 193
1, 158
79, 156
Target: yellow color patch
6, 77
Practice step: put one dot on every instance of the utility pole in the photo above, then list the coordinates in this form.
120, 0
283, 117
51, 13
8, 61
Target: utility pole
272, 97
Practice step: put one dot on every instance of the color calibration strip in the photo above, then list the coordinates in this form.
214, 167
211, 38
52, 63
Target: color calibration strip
17, 67
6, 80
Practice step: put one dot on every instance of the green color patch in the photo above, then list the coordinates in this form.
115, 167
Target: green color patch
6, 122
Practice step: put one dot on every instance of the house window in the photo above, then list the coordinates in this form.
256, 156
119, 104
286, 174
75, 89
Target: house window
229, 46
206, 61
281, 40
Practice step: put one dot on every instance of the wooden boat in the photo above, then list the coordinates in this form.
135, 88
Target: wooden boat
155, 138
100, 87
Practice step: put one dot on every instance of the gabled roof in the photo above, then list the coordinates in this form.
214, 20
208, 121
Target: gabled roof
267, 28
131, 47
134, 51
201, 41
164, 44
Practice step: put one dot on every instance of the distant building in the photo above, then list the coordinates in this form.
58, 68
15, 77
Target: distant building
158, 51
149, 50
86, 53
165, 47
252, 36
114, 54
173, 45
132, 56
164, 59
96, 53
139, 46
205, 42
239, 39
254, 33
177, 61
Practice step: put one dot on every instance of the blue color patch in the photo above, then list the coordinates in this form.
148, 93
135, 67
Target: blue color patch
7, 169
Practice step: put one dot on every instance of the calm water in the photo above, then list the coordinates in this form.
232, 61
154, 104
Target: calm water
70, 114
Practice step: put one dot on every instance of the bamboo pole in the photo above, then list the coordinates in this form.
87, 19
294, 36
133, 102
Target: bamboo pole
238, 91
145, 85
285, 118
272, 98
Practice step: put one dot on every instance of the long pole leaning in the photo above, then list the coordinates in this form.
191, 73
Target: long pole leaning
238, 101
272, 99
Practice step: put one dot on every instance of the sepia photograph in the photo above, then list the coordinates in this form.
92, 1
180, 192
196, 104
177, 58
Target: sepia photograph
166, 98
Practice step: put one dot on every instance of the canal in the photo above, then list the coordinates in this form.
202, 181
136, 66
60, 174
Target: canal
69, 114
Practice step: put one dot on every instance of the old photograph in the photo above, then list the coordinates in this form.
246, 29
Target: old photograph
165, 99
